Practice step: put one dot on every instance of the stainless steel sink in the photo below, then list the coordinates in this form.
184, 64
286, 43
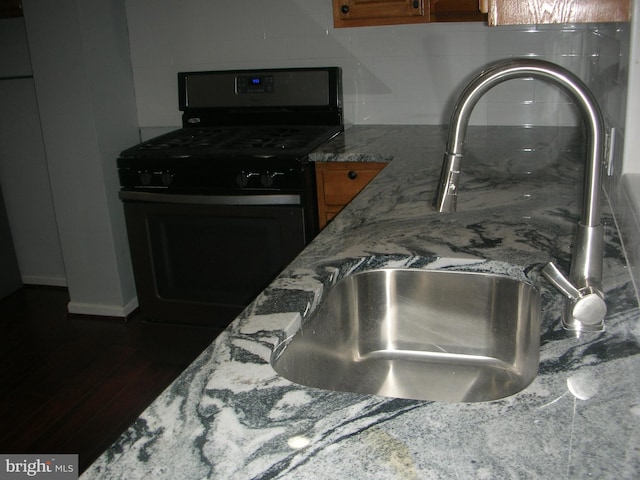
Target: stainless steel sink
427, 335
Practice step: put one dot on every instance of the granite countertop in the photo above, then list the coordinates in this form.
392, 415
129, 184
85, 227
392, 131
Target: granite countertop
230, 416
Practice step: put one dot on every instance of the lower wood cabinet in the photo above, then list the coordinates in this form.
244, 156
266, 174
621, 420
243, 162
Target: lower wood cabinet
339, 182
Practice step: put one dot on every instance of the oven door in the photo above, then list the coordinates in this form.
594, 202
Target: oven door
202, 260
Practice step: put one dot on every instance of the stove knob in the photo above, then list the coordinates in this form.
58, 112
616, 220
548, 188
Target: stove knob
167, 178
242, 179
145, 177
266, 179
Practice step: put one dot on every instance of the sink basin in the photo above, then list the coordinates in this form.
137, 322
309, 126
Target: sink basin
418, 334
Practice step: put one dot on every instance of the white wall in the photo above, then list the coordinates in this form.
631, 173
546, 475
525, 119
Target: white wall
626, 195
23, 168
80, 60
632, 142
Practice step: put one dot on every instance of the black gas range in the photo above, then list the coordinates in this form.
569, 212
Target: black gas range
243, 131
216, 209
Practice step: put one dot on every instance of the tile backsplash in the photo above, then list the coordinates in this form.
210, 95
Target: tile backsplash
405, 74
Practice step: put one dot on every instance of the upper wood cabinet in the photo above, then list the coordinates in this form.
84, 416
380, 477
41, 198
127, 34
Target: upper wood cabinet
358, 13
10, 8
456, 11
513, 12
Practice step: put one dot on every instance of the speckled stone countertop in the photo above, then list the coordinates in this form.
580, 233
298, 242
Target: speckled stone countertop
230, 416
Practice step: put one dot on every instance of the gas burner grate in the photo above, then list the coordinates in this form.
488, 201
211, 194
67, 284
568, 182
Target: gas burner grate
248, 140
189, 138
272, 138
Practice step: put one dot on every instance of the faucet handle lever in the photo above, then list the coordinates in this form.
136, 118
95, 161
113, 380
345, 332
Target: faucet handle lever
558, 280
587, 307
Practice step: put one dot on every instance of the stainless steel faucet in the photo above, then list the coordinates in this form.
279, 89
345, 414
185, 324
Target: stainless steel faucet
585, 307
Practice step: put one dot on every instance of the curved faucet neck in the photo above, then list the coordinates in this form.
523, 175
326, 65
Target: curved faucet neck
585, 307
556, 75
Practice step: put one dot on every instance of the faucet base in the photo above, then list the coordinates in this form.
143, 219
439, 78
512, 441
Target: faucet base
570, 323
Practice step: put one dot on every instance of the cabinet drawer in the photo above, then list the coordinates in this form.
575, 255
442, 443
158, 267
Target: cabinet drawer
341, 186
339, 183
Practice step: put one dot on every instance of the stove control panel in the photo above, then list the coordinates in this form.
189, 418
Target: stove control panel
158, 178
213, 180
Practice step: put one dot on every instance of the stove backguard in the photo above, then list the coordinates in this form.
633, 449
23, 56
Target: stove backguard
297, 96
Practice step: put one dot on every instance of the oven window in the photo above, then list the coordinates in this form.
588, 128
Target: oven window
215, 260
205, 263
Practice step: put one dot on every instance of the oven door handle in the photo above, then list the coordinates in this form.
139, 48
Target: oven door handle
275, 199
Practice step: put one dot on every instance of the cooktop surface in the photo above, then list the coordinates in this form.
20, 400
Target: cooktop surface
256, 141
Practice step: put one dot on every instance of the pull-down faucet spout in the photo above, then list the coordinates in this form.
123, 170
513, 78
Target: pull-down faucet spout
585, 307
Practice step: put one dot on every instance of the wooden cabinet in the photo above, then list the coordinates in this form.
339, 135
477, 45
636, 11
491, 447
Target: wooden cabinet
513, 12
358, 13
339, 182
10, 8
456, 11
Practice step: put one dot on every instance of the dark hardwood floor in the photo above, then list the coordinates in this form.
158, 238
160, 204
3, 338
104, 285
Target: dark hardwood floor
72, 384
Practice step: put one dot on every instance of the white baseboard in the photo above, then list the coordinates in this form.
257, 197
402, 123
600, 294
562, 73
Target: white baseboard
46, 281
102, 310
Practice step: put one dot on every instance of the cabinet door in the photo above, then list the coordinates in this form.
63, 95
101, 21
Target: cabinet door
456, 11
356, 13
513, 12
10, 8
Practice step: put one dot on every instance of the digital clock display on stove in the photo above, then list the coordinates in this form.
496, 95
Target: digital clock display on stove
254, 84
